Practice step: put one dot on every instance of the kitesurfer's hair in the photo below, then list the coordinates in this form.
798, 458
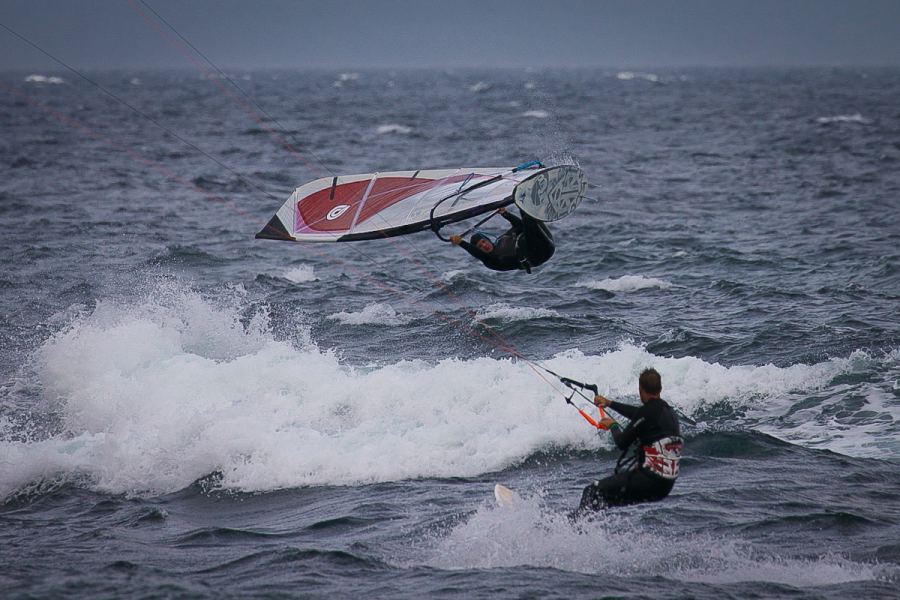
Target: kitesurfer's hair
650, 381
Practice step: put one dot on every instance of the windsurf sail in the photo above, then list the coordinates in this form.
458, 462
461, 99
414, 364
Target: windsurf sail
377, 205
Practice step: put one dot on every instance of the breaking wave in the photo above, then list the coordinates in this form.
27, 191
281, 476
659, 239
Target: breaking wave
373, 314
45, 79
505, 312
616, 546
626, 283
854, 118
630, 75
393, 128
301, 274
147, 396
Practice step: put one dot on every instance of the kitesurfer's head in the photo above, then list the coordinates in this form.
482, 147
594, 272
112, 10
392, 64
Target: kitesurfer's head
649, 384
482, 242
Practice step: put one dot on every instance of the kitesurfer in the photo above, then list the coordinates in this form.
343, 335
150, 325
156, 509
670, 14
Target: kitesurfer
527, 244
654, 432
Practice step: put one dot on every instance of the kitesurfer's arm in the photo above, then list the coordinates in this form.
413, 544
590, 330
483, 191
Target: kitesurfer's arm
626, 410
625, 437
622, 437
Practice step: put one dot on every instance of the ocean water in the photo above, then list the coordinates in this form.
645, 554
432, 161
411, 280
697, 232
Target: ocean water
186, 411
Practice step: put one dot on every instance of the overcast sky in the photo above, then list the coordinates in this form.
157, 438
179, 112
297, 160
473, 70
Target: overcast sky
97, 34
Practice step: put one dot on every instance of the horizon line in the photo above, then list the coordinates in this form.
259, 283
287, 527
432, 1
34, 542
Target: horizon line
524, 68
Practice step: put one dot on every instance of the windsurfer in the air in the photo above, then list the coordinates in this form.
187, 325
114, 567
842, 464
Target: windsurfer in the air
650, 473
527, 244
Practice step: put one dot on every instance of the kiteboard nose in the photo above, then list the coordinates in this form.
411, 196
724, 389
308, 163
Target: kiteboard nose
504, 495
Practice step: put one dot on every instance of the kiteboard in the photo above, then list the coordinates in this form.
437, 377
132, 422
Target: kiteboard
369, 206
505, 497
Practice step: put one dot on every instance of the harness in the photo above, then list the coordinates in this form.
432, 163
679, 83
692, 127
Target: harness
662, 456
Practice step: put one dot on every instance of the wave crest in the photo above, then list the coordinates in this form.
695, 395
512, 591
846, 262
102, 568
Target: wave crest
152, 395
626, 283
378, 313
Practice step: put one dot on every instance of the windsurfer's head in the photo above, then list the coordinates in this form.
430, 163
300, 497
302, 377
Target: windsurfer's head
482, 242
649, 384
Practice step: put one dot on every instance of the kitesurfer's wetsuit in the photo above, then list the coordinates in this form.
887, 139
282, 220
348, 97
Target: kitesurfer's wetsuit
650, 475
528, 243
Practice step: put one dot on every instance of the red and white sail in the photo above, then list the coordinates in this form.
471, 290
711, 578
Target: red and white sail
377, 205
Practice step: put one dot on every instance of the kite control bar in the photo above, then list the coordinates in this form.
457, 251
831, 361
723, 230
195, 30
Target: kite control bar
572, 384
576, 387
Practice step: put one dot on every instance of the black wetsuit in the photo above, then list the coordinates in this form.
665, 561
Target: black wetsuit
528, 243
636, 481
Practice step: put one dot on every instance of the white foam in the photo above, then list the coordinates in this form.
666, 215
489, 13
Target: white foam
44, 79
348, 77
625, 283
453, 275
373, 314
393, 128
869, 429
630, 75
505, 312
854, 118
152, 395
480, 86
301, 274
535, 114
616, 546
530, 85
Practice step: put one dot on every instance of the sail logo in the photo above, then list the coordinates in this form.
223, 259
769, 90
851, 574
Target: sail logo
337, 211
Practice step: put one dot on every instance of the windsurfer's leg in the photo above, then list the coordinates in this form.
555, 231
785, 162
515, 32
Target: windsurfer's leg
538, 241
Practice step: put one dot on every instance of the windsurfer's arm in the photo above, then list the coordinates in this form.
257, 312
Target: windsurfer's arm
458, 241
516, 221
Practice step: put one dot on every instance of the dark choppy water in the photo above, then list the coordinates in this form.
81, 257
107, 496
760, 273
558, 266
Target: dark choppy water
187, 411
